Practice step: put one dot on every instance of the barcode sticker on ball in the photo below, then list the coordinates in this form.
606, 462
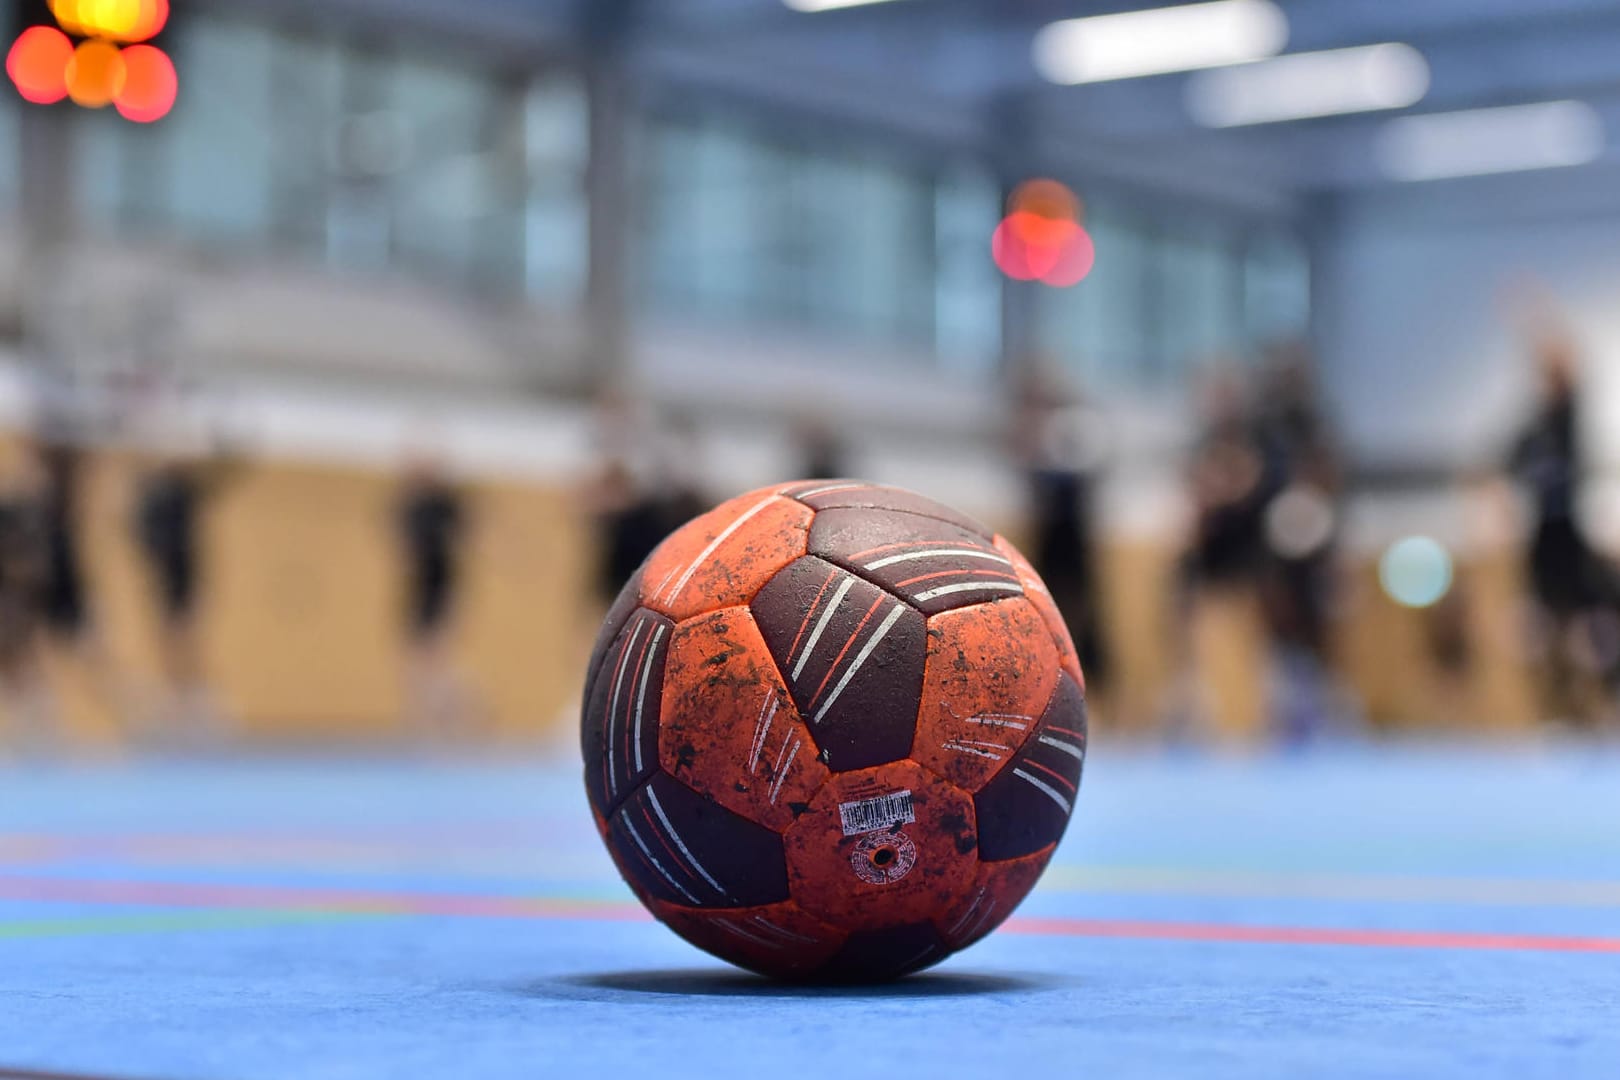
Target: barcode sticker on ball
883, 812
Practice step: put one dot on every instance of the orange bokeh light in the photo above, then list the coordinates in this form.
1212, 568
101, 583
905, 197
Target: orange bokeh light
96, 74
150, 85
115, 20
1045, 198
38, 62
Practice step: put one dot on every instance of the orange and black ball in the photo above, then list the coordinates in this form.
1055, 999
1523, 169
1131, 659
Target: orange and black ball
833, 731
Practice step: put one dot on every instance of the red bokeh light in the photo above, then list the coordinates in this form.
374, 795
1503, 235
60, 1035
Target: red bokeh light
38, 63
150, 85
1041, 238
1028, 247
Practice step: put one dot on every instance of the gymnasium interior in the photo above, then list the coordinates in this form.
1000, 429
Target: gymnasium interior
353, 354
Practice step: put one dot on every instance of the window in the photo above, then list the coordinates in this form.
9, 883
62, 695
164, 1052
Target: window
382, 158
1200, 295
1277, 288
745, 225
1167, 296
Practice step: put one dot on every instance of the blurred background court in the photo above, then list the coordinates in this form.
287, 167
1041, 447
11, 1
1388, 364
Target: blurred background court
353, 352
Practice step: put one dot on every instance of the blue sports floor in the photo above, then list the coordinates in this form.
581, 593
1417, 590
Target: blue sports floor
1424, 912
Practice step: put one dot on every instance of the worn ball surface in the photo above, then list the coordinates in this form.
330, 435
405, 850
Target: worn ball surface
833, 731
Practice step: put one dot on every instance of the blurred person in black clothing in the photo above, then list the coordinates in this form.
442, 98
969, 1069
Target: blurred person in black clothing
23, 574
65, 603
1574, 587
1063, 445
647, 485
172, 500
1231, 481
1299, 571
432, 526
822, 452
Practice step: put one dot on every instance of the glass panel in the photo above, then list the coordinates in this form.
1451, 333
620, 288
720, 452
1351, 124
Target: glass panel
967, 286
745, 226
1102, 328
556, 149
1277, 289
1199, 300
220, 163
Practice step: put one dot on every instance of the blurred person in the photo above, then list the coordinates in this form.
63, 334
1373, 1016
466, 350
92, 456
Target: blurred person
1062, 445
66, 610
680, 474
1299, 571
822, 452
24, 693
1574, 588
172, 501
432, 526
1231, 480
647, 484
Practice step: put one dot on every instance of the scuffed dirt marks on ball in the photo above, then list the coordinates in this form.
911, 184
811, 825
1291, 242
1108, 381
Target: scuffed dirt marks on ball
852, 656
619, 721
1028, 804
934, 565
880, 955
624, 606
857, 494
676, 846
998, 889
991, 670
778, 940
721, 558
1041, 597
730, 729
882, 847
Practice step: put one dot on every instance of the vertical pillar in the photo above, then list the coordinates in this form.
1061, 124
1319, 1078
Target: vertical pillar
46, 197
1012, 155
608, 303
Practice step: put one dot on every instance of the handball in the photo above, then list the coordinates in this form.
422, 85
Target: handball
833, 731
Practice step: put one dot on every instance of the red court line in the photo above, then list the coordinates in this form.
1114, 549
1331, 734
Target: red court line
359, 901
1308, 935
372, 902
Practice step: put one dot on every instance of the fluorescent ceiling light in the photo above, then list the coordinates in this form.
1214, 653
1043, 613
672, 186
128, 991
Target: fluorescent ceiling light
1304, 85
829, 5
1161, 40
1481, 141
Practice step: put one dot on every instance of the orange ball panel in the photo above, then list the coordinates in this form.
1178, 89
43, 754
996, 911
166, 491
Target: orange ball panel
991, 670
730, 729
1041, 597
722, 558
903, 872
999, 888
